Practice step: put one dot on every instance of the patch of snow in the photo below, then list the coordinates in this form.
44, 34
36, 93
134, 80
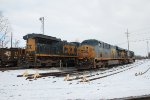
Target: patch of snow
120, 85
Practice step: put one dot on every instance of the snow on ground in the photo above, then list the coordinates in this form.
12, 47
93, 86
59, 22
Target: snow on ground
120, 85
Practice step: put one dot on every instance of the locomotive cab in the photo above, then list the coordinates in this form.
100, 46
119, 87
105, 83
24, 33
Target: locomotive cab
85, 52
85, 56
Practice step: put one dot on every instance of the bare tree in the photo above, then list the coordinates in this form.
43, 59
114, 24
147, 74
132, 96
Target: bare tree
5, 29
16, 43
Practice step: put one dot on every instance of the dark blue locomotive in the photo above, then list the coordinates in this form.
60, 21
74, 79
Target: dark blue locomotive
42, 50
93, 53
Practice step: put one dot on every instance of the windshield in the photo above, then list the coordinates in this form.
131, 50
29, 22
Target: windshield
90, 42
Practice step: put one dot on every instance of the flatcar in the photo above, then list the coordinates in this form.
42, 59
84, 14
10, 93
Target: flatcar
43, 50
93, 54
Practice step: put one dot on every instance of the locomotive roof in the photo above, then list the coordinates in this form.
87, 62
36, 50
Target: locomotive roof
40, 36
76, 43
90, 41
93, 42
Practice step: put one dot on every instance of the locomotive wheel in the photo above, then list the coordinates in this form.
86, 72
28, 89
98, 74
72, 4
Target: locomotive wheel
99, 64
105, 64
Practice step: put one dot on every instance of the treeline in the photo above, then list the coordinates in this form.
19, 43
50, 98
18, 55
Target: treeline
137, 57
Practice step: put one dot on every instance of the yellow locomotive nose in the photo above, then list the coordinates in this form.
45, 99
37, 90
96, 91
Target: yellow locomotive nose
85, 51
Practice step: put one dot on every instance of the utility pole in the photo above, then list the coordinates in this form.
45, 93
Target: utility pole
128, 41
11, 38
147, 49
2, 43
42, 21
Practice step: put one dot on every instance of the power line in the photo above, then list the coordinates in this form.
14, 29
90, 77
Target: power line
141, 40
140, 33
134, 41
140, 30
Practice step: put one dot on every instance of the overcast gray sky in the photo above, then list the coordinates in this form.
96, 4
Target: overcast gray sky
77, 20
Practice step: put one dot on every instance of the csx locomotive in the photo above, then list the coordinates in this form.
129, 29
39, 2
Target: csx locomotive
93, 54
42, 50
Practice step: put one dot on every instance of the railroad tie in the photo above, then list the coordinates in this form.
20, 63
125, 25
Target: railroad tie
25, 73
84, 79
36, 75
66, 77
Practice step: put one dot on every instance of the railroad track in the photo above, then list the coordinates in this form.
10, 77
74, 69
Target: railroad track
106, 73
142, 97
57, 74
10, 68
76, 75
113, 73
100, 72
